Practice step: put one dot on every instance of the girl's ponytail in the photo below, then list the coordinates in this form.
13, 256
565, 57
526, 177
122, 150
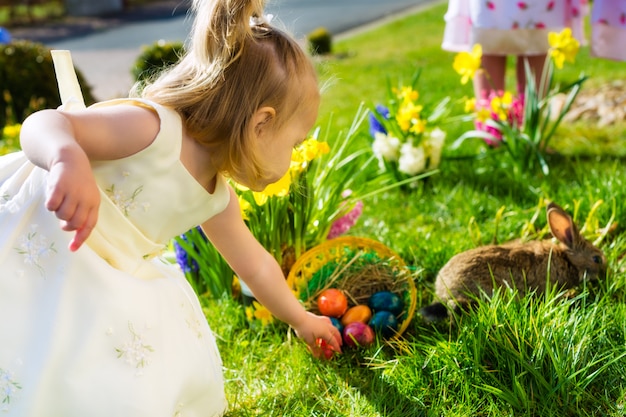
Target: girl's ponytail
220, 31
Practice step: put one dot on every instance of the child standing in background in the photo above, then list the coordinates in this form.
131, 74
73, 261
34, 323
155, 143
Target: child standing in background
503, 28
93, 322
608, 29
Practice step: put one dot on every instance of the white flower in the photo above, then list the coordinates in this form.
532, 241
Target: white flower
412, 159
386, 147
437, 138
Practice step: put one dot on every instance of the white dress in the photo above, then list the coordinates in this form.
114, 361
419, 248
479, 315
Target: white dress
110, 330
509, 27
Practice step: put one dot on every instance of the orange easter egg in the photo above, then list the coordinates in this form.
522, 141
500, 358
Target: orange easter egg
359, 312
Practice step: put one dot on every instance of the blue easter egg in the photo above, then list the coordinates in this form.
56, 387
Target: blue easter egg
384, 323
386, 301
337, 323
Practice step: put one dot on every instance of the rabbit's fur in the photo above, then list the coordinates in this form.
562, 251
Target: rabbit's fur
524, 266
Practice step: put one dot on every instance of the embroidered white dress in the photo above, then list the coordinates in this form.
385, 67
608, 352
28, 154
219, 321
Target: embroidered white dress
509, 27
110, 330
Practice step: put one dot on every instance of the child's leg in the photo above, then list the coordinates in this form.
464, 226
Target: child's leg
491, 78
535, 63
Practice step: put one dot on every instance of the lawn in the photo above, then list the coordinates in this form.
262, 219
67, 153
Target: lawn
534, 356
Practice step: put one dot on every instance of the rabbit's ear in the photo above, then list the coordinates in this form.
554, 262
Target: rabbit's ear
562, 226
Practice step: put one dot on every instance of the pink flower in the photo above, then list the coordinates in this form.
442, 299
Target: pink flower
494, 142
514, 116
344, 223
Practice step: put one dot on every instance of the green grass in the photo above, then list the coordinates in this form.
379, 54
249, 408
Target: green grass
543, 356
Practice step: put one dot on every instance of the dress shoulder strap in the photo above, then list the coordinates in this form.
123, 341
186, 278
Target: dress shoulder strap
69, 88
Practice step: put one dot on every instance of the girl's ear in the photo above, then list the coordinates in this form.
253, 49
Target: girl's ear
262, 120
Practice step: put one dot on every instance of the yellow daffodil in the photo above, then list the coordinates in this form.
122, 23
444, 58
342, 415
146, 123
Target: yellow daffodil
467, 63
304, 153
259, 312
407, 113
406, 94
11, 131
483, 115
563, 47
279, 189
470, 105
418, 127
244, 206
309, 150
500, 105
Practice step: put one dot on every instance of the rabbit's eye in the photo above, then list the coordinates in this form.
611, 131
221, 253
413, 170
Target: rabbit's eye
597, 259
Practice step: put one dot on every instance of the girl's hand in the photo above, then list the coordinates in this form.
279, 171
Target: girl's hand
74, 197
319, 333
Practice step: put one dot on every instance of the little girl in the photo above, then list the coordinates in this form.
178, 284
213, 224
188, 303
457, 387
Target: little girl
93, 322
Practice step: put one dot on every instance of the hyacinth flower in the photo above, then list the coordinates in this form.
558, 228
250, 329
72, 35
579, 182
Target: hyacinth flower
343, 224
185, 261
375, 125
522, 125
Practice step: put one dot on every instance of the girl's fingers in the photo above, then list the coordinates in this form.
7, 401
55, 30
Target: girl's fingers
83, 232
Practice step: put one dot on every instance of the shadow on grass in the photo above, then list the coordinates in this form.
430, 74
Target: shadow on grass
383, 396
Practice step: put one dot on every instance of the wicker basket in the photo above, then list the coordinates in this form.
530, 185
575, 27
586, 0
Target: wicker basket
358, 266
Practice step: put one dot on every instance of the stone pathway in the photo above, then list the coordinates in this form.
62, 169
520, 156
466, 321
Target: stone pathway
604, 105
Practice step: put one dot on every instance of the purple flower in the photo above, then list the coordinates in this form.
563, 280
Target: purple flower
186, 263
5, 36
375, 125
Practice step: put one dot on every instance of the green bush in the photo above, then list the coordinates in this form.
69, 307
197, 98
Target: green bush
156, 57
320, 41
28, 81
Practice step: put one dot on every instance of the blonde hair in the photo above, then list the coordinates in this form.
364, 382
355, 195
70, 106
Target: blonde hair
236, 63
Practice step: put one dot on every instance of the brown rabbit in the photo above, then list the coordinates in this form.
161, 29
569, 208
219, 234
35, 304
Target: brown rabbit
524, 266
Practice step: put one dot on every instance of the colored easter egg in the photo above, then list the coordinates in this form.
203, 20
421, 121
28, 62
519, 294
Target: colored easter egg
359, 312
386, 301
358, 334
384, 323
327, 350
332, 302
337, 323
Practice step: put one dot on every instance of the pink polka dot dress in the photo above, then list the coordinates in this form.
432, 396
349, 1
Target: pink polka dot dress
509, 27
